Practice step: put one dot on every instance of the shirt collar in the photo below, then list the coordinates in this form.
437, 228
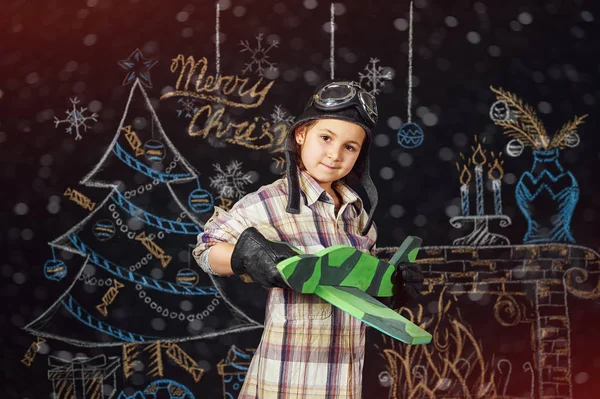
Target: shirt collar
313, 191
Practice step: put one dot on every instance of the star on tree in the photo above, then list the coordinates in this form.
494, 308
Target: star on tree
138, 67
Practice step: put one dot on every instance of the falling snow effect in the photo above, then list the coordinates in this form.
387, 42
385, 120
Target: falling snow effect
231, 181
458, 50
280, 115
76, 119
188, 108
259, 56
375, 76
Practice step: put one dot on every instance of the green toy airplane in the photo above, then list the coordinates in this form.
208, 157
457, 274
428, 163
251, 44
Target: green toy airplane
349, 279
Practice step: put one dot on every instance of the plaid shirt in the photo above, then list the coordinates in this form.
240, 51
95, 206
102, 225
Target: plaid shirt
309, 349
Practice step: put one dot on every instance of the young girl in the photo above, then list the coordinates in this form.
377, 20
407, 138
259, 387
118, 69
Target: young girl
309, 349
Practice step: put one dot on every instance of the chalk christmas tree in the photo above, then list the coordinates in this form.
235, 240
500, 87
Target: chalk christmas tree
136, 282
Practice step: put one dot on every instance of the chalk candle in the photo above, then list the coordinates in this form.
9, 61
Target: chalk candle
479, 160
481, 236
495, 174
465, 178
497, 199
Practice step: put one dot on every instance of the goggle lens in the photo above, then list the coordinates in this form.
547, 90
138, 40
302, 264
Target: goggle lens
369, 103
335, 94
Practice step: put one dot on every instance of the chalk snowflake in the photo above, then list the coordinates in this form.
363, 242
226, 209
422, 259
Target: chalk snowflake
280, 115
375, 76
188, 107
76, 119
231, 181
259, 56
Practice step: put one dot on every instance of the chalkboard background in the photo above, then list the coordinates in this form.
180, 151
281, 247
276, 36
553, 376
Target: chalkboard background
544, 52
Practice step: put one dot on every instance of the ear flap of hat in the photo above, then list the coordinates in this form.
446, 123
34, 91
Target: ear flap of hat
371, 190
293, 203
291, 170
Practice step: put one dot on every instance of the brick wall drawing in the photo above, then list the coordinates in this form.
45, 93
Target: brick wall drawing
529, 283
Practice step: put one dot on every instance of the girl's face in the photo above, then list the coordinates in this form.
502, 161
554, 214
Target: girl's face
329, 149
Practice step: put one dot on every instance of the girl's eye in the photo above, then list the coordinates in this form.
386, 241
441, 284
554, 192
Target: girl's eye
350, 148
326, 138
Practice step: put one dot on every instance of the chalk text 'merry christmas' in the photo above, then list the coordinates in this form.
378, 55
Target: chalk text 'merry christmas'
222, 84
270, 138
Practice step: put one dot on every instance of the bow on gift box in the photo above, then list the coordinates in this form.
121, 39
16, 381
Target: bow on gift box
78, 362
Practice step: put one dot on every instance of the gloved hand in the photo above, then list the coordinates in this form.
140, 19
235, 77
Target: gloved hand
408, 282
256, 257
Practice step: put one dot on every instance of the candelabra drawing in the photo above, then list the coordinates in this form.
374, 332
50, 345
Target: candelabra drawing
481, 235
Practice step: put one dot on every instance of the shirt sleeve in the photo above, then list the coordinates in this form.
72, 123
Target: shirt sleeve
202, 261
223, 226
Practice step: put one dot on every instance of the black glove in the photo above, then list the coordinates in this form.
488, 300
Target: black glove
256, 257
408, 282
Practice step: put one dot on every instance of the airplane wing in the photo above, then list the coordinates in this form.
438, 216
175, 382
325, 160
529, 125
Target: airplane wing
374, 313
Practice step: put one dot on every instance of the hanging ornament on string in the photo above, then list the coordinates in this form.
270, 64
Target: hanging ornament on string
410, 134
55, 269
187, 277
154, 150
200, 200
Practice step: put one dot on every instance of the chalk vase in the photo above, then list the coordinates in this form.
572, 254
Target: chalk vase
547, 195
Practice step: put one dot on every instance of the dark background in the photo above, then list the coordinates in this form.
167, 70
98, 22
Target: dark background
545, 52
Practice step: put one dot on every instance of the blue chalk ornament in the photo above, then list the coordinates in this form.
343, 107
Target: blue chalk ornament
201, 201
154, 150
187, 278
55, 269
104, 230
410, 135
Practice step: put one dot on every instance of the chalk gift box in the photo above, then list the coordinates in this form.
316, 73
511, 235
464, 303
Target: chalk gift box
233, 370
83, 378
